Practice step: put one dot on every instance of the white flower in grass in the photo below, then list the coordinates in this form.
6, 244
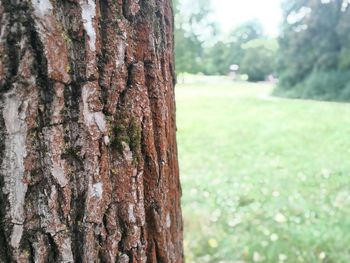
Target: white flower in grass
282, 257
213, 243
275, 194
266, 232
256, 257
322, 255
326, 173
234, 222
264, 243
280, 218
274, 237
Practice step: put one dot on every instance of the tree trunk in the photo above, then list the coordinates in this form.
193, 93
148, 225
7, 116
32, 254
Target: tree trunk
88, 155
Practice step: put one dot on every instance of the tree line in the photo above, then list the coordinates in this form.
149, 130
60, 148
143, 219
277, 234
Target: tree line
315, 50
310, 57
208, 52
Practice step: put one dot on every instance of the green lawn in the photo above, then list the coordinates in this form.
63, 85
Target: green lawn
264, 179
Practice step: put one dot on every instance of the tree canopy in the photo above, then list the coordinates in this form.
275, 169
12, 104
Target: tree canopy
315, 43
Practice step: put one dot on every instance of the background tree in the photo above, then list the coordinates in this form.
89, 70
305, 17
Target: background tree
241, 35
314, 41
200, 48
259, 58
193, 31
224, 53
88, 157
217, 59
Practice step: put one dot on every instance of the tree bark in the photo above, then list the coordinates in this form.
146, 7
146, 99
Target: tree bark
88, 155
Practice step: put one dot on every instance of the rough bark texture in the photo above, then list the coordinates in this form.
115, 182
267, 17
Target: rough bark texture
88, 154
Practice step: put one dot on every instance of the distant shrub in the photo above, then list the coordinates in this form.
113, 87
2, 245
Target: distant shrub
345, 93
259, 58
331, 85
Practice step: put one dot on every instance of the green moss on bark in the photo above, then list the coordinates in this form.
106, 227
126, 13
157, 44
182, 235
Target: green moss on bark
127, 131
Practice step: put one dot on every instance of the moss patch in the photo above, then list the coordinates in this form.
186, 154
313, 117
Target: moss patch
127, 130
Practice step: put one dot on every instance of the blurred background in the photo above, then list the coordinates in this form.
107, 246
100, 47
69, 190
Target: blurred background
263, 129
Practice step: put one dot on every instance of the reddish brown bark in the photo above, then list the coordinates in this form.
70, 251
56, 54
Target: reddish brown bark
88, 154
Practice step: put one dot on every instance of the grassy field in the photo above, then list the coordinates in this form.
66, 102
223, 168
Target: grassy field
264, 179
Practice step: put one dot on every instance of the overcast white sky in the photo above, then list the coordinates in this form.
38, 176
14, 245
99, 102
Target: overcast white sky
230, 13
